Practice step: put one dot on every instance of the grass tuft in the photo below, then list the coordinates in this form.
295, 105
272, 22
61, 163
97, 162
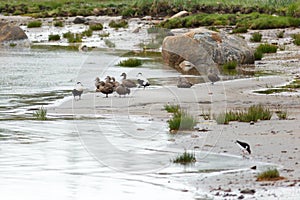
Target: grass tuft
182, 121
118, 24
41, 114
256, 37
131, 62
34, 24
185, 158
269, 175
96, 27
172, 108
54, 37
296, 38
267, 48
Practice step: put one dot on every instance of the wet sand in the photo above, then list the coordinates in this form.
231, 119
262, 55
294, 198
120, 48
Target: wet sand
273, 141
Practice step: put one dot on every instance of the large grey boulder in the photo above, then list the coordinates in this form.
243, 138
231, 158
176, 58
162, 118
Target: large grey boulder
11, 33
205, 49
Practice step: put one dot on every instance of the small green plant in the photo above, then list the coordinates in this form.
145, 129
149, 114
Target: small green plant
185, 158
269, 175
58, 24
230, 65
282, 114
105, 34
54, 37
172, 108
256, 37
182, 121
109, 43
12, 44
258, 54
96, 27
267, 48
34, 24
131, 62
41, 114
88, 32
206, 114
118, 24
296, 38
280, 34
240, 30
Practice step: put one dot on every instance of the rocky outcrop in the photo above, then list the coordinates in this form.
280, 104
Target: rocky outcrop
204, 49
11, 33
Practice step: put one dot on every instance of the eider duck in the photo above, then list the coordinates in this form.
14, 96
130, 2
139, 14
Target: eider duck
127, 82
122, 90
78, 90
142, 81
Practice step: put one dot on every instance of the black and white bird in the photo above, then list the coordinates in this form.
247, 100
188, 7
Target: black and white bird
244, 146
78, 90
142, 81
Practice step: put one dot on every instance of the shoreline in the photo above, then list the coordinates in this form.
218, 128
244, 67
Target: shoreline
273, 141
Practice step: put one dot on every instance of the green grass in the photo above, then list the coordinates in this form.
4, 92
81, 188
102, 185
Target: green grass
242, 29
230, 65
131, 62
53, 37
40, 114
58, 24
72, 37
105, 34
296, 38
258, 54
269, 175
185, 158
280, 34
274, 90
96, 27
88, 32
109, 43
34, 24
182, 121
172, 108
267, 48
256, 37
118, 24
253, 113
282, 114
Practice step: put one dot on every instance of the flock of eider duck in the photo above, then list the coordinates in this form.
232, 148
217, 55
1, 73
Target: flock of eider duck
110, 85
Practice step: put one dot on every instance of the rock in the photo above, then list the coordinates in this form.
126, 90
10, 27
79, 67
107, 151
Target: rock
11, 33
241, 197
79, 20
248, 191
205, 48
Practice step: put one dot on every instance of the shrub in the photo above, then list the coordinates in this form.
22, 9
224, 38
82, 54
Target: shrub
296, 38
267, 48
240, 30
258, 54
282, 114
34, 24
104, 34
54, 37
58, 24
131, 62
269, 175
230, 65
73, 38
172, 108
182, 120
88, 32
185, 158
40, 114
256, 37
120, 24
96, 27
280, 34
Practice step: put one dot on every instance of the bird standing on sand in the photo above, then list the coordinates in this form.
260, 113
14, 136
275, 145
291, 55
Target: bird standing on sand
97, 82
78, 90
213, 77
244, 146
105, 89
142, 81
122, 90
127, 82
183, 83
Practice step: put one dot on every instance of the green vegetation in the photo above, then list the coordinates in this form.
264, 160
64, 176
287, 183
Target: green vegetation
267, 48
185, 158
269, 175
53, 37
242, 29
280, 34
72, 37
131, 62
118, 24
96, 27
58, 24
253, 113
88, 33
172, 108
34, 24
296, 38
256, 37
182, 121
258, 54
282, 114
105, 34
230, 65
109, 43
40, 114
291, 87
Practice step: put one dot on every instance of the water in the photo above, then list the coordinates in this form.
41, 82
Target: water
85, 159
